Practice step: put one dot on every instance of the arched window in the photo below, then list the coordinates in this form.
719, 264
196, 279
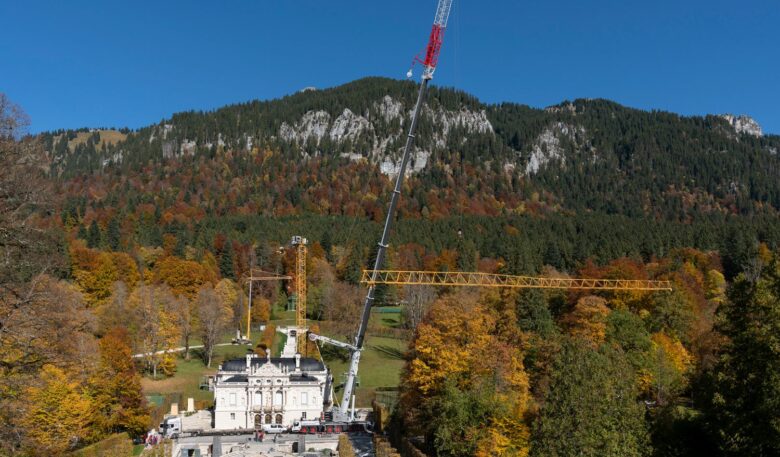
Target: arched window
258, 398
267, 418
278, 398
258, 420
278, 418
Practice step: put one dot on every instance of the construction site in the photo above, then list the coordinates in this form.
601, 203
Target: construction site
278, 406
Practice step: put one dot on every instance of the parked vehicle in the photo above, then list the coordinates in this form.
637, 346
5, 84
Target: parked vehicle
170, 427
274, 428
304, 426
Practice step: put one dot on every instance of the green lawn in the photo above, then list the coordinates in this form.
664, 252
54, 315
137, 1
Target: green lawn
190, 372
380, 364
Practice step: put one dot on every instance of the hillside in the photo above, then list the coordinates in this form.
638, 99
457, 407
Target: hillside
549, 175
586, 154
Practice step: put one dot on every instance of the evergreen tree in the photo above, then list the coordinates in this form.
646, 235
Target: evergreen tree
745, 406
226, 268
327, 243
112, 234
93, 236
82, 233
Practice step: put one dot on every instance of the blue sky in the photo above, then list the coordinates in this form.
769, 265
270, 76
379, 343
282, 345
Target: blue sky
109, 63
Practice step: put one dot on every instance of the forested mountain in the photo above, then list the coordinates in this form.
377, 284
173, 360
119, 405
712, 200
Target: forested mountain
582, 179
586, 154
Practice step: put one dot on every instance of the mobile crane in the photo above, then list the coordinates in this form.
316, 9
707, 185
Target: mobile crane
343, 413
429, 62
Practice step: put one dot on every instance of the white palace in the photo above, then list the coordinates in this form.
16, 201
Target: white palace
254, 391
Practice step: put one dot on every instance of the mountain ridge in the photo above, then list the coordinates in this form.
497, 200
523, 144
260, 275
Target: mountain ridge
581, 155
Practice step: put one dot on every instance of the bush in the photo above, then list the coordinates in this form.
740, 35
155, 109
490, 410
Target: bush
115, 445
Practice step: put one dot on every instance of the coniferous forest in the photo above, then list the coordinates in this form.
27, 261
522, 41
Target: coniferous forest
106, 230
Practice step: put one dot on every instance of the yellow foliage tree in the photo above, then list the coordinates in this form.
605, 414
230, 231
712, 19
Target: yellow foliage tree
449, 342
668, 368
716, 286
227, 291
261, 309
94, 274
184, 277
127, 270
588, 320
59, 417
155, 322
460, 344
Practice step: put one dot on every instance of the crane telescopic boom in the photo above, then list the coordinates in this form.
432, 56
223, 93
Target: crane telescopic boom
430, 61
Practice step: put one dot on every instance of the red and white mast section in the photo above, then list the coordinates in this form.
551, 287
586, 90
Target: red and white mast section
432, 51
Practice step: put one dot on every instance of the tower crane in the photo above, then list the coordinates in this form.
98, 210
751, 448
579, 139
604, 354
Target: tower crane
299, 244
258, 276
479, 279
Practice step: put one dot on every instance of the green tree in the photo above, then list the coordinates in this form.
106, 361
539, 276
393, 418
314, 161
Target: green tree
459, 418
226, 268
745, 405
113, 234
591, 408
93, 236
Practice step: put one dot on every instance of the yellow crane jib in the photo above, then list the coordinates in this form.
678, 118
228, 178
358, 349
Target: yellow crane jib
477, 279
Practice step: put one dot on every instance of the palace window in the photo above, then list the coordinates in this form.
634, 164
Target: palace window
304, 398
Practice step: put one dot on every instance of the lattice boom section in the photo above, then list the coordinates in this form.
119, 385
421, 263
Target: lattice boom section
300, 291
454, 278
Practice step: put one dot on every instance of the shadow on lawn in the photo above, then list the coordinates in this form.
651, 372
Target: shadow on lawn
392, 323
389, 352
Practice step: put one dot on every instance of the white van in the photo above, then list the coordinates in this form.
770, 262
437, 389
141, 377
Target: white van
274, 428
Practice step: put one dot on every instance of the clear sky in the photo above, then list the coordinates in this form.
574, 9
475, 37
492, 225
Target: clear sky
96, 63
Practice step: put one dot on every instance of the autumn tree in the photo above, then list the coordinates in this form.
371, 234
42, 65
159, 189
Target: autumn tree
341, 309
152, 309
669, 365
59, 416
48, 324
185, 317
115, 388
417, 301
588, 320
214, 317
459, 356
114, 313
184, 277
